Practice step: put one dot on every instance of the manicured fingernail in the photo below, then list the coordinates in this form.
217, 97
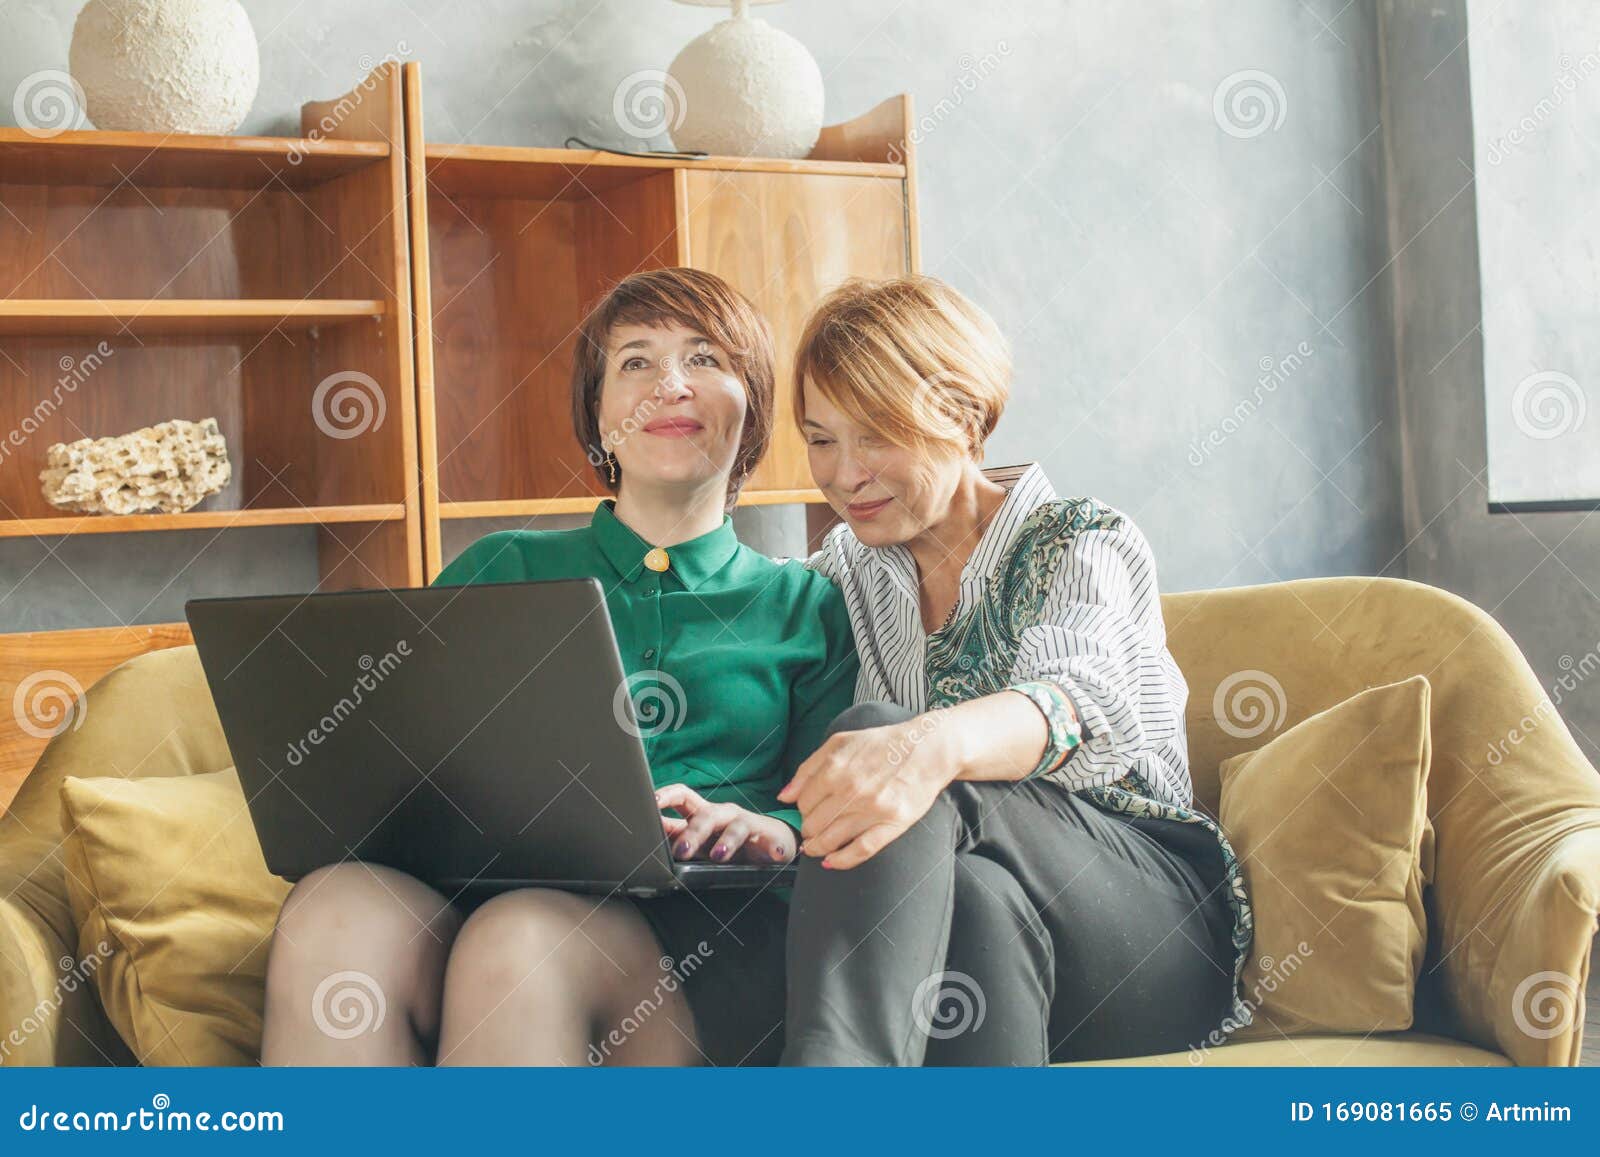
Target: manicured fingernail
718, 852
683, 847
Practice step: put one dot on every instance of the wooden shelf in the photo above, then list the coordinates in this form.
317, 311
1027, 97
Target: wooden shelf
510, 246
177, 315
209, 245
518, 507
530, 507
158, 160
200, 519
569, 174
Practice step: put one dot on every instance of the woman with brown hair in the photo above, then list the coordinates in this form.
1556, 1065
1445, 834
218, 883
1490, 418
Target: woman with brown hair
672, 396
1002, 864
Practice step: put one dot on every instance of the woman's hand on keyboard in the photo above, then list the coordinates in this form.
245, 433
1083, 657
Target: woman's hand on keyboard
723, 833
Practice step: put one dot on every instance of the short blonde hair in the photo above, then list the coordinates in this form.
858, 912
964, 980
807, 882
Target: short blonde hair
910, 358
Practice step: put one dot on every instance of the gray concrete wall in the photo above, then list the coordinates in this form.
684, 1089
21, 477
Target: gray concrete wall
1236, 246
1457, 309
1156, 272
1157, 262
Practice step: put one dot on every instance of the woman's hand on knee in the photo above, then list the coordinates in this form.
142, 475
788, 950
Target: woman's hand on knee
723, 832
861, 790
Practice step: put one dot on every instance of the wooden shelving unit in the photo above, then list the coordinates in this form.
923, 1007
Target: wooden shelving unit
151, 276
153, 161
510, 247
65, 315
230, 276
201, 519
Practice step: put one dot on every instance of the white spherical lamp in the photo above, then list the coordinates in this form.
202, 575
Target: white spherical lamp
747, 89
166, 66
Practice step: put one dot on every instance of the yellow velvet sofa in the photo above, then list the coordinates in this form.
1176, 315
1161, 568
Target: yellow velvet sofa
1516, 879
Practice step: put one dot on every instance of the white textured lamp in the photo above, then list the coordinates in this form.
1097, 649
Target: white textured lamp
749, 89
166, 66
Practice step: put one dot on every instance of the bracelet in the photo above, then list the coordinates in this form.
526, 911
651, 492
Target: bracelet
1061, 720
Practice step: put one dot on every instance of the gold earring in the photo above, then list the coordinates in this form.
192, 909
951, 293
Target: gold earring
611, 468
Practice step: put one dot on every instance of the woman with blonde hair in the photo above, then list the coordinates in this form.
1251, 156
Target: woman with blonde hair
1002, 863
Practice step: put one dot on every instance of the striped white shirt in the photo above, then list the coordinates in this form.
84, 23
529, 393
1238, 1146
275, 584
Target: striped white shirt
1100, 638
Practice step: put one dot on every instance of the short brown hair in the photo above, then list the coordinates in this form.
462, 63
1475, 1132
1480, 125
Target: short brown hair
908, 357
704, 303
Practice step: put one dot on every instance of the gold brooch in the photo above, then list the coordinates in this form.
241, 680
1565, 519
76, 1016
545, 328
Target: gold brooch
656, 559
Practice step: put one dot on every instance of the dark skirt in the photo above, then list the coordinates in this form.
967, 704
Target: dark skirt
726, 947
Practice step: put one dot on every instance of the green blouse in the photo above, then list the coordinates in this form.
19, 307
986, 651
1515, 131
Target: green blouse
736, 663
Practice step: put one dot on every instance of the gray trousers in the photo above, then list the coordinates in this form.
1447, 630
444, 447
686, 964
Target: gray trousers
1014, 924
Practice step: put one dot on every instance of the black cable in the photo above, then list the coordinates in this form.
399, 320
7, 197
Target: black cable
665, 153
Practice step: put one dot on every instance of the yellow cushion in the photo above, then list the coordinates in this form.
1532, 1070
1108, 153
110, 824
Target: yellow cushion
169, 875
1330, 822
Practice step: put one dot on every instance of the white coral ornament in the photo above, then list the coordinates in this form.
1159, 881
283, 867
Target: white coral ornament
166, 66
169, 467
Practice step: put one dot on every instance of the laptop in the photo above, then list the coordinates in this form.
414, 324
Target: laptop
472, 736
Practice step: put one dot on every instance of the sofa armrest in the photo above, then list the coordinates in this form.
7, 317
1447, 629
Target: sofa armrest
1535, 996
1515, 806
49, 1014
1515, 896
150, 716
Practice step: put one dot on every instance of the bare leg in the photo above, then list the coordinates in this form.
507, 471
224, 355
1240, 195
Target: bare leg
356, 969
543, 977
